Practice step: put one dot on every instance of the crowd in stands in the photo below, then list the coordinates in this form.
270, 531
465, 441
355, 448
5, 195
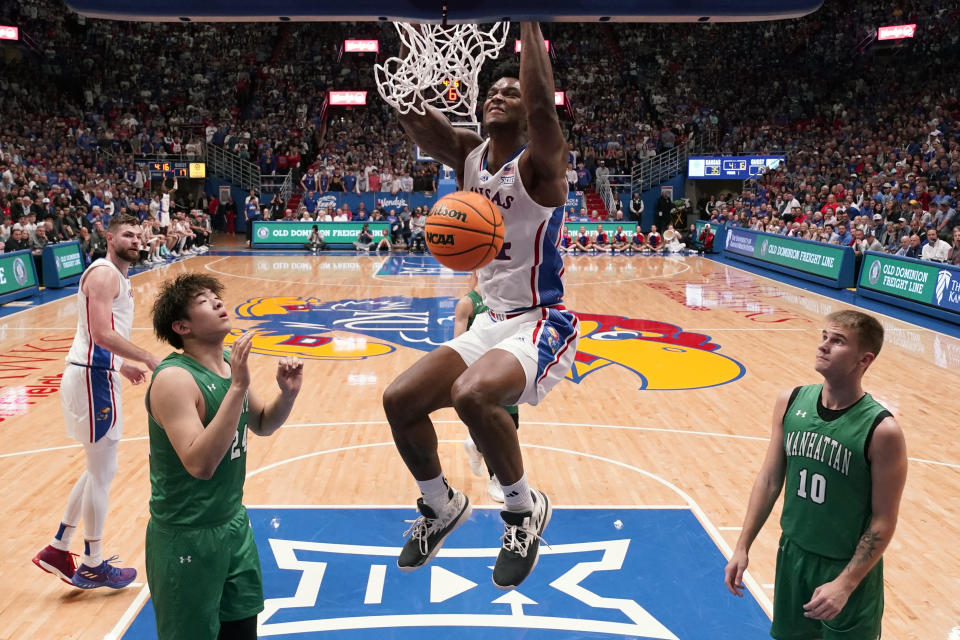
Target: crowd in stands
90, 97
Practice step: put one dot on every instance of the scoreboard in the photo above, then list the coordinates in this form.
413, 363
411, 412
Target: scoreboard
177, 169
730, 167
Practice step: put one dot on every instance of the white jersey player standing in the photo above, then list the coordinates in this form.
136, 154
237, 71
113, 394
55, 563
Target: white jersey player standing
90, 395
524, 345
165, 206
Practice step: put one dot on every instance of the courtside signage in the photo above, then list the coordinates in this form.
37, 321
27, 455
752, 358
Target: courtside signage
16, 272
270, 234
818, 259
348, 98
937, 285
18, 276
68, 259
826, 262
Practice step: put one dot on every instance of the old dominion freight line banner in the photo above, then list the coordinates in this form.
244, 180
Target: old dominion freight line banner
293, 235
824, 263
928, 287
18, 276
62, 264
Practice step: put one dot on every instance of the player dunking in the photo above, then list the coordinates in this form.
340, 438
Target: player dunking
202, 563
90, 395
466, 311
524, 345
845, 463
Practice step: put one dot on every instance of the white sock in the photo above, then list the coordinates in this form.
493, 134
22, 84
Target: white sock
64, 535
71, 514
516, 496
436, 492
93, 553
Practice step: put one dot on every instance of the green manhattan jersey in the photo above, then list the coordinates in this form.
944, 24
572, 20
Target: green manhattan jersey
827, 499
176, 497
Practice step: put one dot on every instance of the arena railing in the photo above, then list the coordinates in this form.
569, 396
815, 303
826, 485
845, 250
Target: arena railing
232, 168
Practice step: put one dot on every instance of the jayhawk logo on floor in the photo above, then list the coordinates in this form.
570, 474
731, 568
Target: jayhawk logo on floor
661, 355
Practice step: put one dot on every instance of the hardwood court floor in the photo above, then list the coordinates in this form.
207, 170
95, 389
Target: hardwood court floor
602, 441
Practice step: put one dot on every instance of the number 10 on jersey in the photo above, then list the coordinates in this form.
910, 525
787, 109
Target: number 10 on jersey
818, 487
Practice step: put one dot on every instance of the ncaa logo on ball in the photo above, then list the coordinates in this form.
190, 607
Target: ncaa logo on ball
263, 233
20, 271
874, 274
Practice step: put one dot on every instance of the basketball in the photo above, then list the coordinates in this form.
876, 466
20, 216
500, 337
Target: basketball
464, 231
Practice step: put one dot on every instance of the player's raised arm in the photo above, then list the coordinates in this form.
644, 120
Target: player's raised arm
546, 148
433, 133
438, 138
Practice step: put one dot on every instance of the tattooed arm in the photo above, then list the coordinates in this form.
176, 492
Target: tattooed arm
888, 460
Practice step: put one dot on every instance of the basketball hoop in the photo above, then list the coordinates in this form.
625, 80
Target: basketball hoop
440, 68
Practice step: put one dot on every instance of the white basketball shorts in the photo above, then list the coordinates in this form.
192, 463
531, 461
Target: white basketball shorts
543, 340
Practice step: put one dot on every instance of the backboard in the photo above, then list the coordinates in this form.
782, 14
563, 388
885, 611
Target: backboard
457, 11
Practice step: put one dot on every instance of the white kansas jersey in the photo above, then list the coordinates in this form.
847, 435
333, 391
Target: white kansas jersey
84, 351
527, 272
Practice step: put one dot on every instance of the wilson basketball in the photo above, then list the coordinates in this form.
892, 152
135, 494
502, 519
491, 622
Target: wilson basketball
464, 231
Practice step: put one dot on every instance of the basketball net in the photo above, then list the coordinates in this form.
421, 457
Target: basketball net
439, 58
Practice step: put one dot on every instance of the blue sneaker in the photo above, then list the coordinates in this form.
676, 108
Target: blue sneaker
106, 575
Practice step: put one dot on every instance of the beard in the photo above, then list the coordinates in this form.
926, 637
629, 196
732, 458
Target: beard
129, 254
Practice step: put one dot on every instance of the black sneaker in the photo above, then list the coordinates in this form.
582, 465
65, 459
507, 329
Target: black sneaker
430, 529
522, 533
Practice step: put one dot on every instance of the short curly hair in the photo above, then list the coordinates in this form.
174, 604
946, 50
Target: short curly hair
173, 301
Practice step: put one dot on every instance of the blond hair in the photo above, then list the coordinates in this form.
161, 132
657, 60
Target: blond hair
868, 329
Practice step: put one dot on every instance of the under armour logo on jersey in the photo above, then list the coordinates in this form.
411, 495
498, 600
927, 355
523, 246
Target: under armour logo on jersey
802, 414
186, 559
212, 387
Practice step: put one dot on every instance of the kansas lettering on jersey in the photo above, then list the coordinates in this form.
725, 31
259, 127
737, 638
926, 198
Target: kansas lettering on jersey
528, 270
827, 499
83, 350
176, 497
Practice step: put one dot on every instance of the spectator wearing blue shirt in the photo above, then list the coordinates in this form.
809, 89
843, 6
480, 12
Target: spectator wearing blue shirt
310, 202
251, 211
841, 236
350, 182
308, 182
583, 177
